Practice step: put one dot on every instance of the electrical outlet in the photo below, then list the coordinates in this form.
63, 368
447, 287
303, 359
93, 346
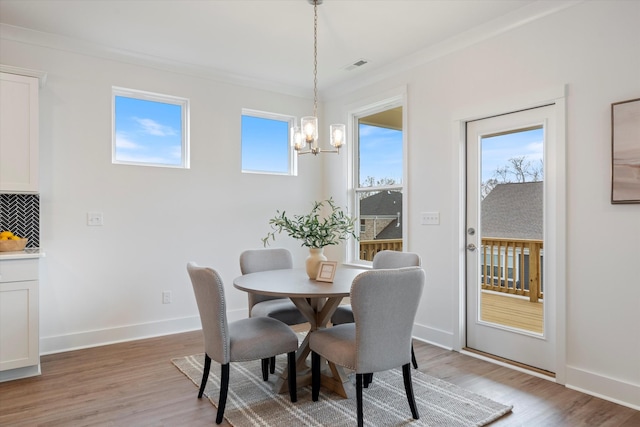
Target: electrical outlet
430, 218
166, 297
94, 218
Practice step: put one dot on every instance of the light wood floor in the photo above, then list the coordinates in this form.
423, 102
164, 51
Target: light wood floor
135, 384
512, 311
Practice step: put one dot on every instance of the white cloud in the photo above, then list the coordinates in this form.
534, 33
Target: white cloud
152, 127
122, 141
175, 152
535, 150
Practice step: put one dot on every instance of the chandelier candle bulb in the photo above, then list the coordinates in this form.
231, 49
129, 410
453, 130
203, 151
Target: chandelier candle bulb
337, 135
297, 141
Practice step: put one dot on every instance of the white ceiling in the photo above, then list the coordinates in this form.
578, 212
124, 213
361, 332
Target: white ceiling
268, 41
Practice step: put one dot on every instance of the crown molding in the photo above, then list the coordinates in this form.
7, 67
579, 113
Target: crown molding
77, 46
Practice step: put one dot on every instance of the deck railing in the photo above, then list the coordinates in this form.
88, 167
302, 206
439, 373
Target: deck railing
512, 266
368, 248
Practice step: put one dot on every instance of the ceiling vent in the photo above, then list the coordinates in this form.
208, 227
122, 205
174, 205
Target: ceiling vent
357, 64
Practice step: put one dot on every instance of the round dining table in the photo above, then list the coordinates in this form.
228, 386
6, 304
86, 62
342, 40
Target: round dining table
317, 301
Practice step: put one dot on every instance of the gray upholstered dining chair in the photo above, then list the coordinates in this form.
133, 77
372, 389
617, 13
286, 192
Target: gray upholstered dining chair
243, 340
380, 337
255, 260
383, 259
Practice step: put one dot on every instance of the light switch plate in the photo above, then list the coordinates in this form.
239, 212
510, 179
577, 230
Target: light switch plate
430, 218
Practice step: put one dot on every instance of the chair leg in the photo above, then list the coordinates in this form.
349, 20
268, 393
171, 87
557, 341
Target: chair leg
408, 388
292, 376
265, 369
368, 379
272, 364
205, 374
359, 398
315, 376
413, 358
224, 387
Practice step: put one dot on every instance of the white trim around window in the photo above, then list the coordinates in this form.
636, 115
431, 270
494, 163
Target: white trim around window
149, 129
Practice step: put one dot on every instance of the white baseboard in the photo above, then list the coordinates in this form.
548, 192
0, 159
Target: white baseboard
95, 338
433, 336
613, 390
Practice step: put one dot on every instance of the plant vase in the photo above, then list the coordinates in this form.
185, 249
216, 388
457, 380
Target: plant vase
316, 256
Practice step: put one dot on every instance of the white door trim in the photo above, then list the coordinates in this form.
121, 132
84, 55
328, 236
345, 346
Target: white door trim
557, 166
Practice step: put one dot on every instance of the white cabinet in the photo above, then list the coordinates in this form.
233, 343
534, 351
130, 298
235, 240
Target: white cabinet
18, 133
19, 320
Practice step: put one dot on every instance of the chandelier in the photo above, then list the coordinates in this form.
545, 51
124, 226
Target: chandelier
307, 133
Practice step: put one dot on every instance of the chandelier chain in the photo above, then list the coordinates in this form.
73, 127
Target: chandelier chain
315, 58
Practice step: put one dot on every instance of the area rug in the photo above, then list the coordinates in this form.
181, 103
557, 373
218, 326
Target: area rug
252, 402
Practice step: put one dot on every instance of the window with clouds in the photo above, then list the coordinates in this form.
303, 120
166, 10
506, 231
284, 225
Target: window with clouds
150, 129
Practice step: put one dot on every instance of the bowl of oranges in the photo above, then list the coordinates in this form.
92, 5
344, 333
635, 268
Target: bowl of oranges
9, 242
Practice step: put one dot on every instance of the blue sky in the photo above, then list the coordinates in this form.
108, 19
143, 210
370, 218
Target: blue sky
380, 153
148, 131
265, 144
497, 150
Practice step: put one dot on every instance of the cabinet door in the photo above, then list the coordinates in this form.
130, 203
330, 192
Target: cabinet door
18, 133
19, 337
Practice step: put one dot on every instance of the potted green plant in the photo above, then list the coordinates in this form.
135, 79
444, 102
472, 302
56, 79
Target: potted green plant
314, 231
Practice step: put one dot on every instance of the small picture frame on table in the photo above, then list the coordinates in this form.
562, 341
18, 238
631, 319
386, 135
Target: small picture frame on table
327, 271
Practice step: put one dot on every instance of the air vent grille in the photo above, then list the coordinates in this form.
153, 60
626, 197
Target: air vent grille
356, 64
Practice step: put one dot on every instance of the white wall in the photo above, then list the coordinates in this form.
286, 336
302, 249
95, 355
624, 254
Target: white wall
101, 284
593, 48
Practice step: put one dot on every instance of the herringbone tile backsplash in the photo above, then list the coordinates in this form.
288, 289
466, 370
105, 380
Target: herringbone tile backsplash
20, 213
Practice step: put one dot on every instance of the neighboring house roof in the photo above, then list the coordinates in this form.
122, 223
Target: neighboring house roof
513, 210
391, 231
385, 204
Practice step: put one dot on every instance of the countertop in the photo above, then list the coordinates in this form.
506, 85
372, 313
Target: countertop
27, 253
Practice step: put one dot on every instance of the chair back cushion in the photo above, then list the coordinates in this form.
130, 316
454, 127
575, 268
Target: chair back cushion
255, 260
395, 259
209, 291
384, 305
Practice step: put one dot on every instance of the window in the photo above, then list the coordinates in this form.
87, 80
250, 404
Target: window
378, 171
150, 129
265, 143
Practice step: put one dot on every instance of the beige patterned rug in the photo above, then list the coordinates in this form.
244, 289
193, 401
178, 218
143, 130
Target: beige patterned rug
252, 402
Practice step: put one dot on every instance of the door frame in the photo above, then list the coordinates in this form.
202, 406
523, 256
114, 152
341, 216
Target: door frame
556, 168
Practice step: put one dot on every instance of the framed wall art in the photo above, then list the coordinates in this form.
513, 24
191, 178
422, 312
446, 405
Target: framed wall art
625, 151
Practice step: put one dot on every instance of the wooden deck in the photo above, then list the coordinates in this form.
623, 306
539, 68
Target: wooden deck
512, 311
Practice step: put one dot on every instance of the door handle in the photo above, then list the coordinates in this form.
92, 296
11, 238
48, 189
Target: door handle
471, 247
